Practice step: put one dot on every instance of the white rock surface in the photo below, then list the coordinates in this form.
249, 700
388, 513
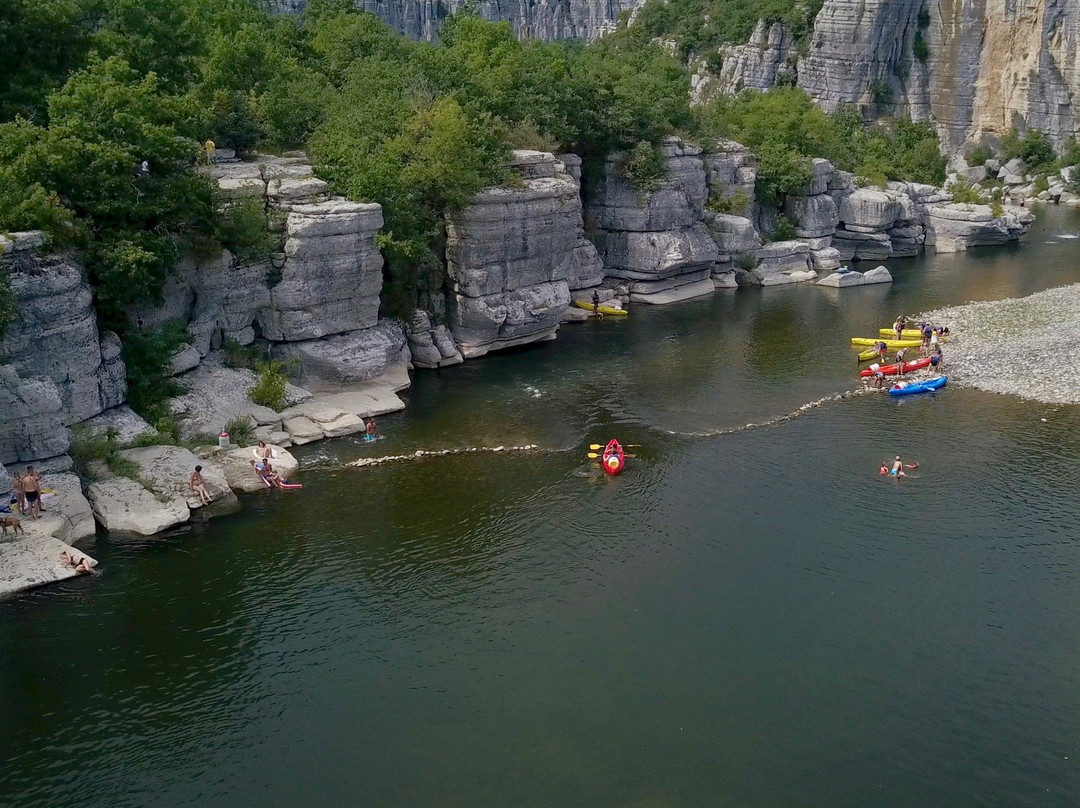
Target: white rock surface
851, 278
236, 467
124, 506
167, 470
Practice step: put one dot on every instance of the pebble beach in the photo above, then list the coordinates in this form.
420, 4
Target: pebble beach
1027, 347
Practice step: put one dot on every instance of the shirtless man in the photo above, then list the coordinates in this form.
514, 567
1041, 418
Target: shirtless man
32, 492
199, 487
897, 469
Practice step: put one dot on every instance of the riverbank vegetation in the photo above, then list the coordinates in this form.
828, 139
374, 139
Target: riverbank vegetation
103, 105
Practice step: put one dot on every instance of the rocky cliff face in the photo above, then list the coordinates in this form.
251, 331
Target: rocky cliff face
509, 256
56, 335
317, 301
540, 19
990, 64
656, 241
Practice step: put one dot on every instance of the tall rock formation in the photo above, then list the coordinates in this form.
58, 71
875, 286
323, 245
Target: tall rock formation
509, 256
539, 19
986, 65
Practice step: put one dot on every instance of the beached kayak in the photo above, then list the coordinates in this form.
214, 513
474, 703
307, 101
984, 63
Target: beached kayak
606, 310
907, 333
889, 343
613, 458
913, 388
869, 355
894, 369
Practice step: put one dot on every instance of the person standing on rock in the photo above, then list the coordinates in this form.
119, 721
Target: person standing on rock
17, 489
32, 492
199, 487
596, 303
900, 361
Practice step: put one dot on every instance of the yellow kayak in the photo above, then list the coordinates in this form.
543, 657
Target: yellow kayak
907, 333
889, 343
867, 355
585, 304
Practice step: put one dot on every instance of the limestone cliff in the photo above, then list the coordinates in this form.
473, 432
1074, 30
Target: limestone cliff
539, 19
989, 64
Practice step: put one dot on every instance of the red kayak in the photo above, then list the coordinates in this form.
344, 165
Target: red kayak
892, 370
613, 458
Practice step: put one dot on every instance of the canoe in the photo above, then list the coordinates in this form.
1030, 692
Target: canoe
914, 388
585, 304
889, 343
894, 369
613, 458
907, 333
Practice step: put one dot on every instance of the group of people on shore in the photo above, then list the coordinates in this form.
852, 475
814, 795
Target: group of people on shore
931, 339
26, 492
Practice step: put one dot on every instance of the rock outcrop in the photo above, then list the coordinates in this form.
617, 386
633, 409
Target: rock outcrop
657, 241
509, 255
769, 55
431, 346
32, 418
55, 334
845, 278
955, 227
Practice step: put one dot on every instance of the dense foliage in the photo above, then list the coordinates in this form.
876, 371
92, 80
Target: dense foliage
700, 27
786, 130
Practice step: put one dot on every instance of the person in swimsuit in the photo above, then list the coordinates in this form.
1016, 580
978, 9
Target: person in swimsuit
32, 492
900, 360
897, 469
199, 487
263, 452
372, 430
898, 327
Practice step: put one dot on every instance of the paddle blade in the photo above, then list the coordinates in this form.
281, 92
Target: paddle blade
592, 455
595, 446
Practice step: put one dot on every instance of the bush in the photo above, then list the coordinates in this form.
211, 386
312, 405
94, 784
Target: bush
89, 446
919, 49
965, 192
747, 261
978, 156
269, 390
738, 204
148, 358
241, 430
1041, 184
646, 167
785, 229
243, 230
1034, 148
241, 356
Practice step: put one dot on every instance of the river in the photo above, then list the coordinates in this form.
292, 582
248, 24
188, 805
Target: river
753, 619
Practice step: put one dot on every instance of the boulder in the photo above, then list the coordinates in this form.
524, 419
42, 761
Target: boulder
302, 429
1015, 166
814, 216
528, 314
869, 208
675, 294
346, 359
734, 235
654, 255
123, 419
975, 173
166, 470
235, 465
756, 65
825, 259
125, 506
850, 278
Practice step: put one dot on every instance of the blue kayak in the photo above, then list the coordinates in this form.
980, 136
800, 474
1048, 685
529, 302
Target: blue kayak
912, 388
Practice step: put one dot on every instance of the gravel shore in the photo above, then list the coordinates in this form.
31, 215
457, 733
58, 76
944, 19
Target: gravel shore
1027, 347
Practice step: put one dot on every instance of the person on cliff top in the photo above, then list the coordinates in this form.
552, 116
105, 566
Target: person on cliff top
32, 492
199, 487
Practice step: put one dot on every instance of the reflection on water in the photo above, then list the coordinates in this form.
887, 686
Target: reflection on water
757, 619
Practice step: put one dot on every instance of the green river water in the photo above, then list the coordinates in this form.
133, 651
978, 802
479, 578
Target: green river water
751, 620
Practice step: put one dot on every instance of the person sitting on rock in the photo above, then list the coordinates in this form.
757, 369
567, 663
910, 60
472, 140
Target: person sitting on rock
264, 452
263, 471
199, 487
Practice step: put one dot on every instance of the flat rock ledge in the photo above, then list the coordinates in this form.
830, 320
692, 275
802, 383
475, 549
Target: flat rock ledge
33, 561
1027, 347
